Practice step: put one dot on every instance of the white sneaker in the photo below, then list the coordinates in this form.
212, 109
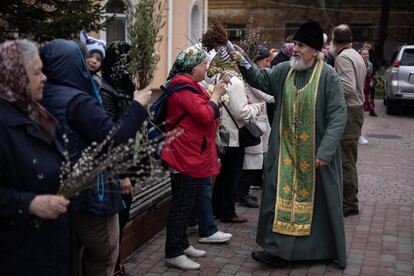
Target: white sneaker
195, 253
217, 237
182, 262
362, 140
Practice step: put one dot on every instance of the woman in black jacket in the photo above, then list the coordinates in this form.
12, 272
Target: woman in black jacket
117, 87
117, 90
30, 159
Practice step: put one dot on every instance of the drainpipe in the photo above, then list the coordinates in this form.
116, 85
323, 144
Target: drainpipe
205, 15
169, 35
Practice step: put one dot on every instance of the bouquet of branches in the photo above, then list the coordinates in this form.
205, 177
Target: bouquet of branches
253, 37
215, 36
108, 162
144, 22
216, 39
112, 161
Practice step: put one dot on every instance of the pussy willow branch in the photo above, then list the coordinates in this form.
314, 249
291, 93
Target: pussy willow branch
113, 161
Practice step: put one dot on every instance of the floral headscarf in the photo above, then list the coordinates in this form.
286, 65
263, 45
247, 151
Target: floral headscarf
14, 82
186, 60
15, 88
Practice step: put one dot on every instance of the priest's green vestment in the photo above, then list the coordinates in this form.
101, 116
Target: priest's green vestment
326, 238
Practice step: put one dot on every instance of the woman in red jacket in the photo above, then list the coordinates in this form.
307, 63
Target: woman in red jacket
192, 156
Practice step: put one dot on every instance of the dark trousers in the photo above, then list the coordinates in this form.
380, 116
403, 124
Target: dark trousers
227, 183
184, 193
270, 107
349, 154
248, 178
97, 244
123, 220
373, 95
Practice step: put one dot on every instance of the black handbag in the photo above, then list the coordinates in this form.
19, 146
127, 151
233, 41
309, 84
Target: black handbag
249, 134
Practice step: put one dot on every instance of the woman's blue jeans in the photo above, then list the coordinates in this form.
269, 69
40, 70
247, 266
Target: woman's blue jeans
206, 225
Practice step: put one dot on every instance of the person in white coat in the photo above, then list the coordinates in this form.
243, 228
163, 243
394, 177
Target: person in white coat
252, 173
226, 186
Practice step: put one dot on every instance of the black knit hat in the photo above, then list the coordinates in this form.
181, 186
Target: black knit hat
260, 52
311, 34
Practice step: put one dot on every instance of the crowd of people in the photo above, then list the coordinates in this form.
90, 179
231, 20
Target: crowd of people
307, 100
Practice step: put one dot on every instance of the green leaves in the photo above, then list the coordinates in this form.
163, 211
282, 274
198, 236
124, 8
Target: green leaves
44, 20
144, 22
379, 83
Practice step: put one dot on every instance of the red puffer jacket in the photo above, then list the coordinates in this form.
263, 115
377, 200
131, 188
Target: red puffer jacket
194, 151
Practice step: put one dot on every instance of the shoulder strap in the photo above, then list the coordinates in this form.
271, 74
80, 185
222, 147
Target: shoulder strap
175, 89
179, 87
230, 115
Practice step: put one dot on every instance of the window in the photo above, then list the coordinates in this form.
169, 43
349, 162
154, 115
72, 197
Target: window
290, 30
236, 33
116, 28
195, 24
363, 32
406, 34
407, 58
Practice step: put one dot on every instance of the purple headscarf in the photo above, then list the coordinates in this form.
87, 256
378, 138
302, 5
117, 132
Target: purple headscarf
287, 49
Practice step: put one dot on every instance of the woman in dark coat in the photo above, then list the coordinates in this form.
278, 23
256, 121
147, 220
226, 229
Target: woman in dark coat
117, 91
70, 95
117, 88
30, 159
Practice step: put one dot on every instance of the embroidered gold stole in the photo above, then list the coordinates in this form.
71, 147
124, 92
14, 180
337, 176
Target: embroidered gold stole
296, 170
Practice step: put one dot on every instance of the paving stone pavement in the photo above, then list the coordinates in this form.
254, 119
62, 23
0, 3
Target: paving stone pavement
379, 239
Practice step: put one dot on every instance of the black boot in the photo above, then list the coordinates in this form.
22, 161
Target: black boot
350, 212
269, 259
248, 202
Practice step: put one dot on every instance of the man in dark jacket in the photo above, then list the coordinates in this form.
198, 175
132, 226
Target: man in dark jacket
71, 96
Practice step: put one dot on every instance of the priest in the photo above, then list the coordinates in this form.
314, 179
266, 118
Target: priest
301, 209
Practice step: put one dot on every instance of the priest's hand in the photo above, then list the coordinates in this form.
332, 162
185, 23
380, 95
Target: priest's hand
320, 163
239, 49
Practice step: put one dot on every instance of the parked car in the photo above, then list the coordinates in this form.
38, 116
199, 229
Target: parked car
399, 80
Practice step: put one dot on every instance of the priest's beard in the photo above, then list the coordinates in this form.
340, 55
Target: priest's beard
297, 63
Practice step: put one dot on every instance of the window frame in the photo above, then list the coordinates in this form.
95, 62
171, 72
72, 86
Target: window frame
103, 33
195, 4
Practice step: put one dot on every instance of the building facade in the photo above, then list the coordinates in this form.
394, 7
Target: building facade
185, 22
279, 19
